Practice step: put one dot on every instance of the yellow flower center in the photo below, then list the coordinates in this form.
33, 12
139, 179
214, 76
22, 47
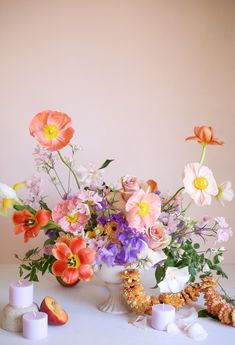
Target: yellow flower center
72, 218
200, 183
51, 131
73, 261
144, 209
220, 193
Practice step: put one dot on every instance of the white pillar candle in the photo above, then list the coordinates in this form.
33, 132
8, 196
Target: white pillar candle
162, 315
21, 294
35, 325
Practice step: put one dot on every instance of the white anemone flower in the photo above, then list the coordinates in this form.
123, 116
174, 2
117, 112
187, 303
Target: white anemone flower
199, 183
225, 192
175, 280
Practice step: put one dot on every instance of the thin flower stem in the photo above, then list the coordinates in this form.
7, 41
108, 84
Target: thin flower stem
173, 197
69, 167
187, 207
60, 182
203, 154
53, 182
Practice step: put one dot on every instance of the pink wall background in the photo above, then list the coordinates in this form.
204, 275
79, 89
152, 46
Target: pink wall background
136, 76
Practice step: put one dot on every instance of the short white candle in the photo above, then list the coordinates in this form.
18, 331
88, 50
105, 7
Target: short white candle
35, 325
162, 315
21, 294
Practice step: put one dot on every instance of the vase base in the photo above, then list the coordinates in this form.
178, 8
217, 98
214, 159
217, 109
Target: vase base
111, 306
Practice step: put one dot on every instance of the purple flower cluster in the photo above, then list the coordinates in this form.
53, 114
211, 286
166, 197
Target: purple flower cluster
131, 243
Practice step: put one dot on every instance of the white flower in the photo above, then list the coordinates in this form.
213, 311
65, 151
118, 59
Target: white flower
9, 197
90, 176
175, 280
147, 258
8, 192
225, 192
199, 183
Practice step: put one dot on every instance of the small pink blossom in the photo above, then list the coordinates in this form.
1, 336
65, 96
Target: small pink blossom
223, 234
143, 209
34, 186
89, 196
47, 250
43, 157
72, 215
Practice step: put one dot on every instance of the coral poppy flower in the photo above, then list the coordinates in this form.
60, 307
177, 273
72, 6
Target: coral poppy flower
205, 136
29, 223
143, 209
52, 129
73, 261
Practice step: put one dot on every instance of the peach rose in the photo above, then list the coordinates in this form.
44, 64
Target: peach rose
130, 184
158, 238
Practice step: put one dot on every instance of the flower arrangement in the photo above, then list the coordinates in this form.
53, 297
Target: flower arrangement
133, 224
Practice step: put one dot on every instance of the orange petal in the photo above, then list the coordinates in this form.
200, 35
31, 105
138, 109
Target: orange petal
43, 217
61, 251
85, 272
77, 244
216, 142
19, 217
153, 185
38, 122
18, 229
61, 120
58, 267
70, 275
205, 134
87, 255
31, 233
192, 138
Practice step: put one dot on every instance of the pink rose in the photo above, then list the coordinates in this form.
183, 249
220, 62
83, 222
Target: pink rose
158, 238
130, 184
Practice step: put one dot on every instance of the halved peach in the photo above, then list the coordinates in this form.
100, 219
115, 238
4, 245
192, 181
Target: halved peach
56, 315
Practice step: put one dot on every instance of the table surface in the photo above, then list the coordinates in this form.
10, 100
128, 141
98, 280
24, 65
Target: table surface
88, 326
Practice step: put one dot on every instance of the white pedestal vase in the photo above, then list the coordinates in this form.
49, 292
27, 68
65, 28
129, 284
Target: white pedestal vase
115, 303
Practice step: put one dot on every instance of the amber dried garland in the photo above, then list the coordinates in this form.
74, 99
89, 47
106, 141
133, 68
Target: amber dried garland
216, 305
141, 303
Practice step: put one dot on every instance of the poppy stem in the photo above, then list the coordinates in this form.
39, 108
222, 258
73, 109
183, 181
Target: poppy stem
172, 198
69, 167
203, 154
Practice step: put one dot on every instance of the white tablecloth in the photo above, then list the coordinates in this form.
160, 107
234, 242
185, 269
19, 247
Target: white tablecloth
88, 326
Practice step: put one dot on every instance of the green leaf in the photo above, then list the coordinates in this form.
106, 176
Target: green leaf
203, 313
159, 274
19, 207
44, 205
106, 163
31, 252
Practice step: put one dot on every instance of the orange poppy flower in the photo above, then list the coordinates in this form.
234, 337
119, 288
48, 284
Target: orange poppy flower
73, 261
205, 135
29, 223
52, 129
